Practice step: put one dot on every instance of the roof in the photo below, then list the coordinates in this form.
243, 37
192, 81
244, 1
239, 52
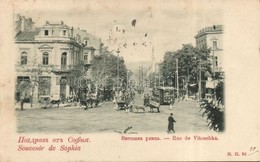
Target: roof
215, 29
26, 36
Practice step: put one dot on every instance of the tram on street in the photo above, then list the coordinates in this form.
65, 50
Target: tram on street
164, 94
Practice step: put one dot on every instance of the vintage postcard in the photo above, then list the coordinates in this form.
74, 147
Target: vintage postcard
129, 80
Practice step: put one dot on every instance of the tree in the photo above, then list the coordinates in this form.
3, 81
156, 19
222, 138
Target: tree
220, 92
104, 67
24, 92
74, 75
189, 61
26, 89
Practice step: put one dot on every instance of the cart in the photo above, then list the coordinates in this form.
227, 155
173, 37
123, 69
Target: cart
121, 104
45, 101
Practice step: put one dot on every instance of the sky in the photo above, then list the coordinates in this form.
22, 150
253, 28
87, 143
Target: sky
166, 24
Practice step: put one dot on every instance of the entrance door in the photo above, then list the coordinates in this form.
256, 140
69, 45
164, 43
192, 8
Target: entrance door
63, 83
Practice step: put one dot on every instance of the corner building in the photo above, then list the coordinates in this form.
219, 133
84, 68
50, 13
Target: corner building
47, 56
212, 37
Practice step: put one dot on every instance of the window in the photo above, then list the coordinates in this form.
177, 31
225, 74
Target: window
44, 87
21, 79
86, 57
64, 32
45, 58
215, 45
24, 58
63, 60
216, 61
46, 32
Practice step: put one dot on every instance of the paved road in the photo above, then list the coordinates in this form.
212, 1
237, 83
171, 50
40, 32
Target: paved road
107, 119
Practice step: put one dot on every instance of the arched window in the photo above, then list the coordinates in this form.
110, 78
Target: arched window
63, 60
24, 58
45, 58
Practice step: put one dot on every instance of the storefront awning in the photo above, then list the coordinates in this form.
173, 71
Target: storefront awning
211, 84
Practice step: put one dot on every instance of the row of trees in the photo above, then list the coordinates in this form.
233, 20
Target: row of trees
190, 60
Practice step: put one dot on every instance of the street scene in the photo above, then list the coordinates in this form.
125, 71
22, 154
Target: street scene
129, 73
109, 120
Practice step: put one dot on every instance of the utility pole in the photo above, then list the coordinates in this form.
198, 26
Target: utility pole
200, 79
159, 74
177, 78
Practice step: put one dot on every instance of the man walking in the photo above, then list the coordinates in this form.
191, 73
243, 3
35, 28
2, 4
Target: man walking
171, 124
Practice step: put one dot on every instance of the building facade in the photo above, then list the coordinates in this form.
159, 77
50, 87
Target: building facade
51, 57
212, 37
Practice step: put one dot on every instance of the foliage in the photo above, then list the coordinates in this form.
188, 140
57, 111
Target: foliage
215, 116
25, 89
73, 77
220, 92
189, 61
104, 68
28, 87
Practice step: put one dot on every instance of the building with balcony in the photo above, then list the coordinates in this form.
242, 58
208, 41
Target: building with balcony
212, 37
50, 56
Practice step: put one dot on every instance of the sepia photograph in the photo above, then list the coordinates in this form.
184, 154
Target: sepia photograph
134, 67
129, 80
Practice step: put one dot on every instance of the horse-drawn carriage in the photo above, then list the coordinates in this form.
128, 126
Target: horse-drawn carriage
90, 101
121, 104
48, 101
154, 105
152, 102
123, 101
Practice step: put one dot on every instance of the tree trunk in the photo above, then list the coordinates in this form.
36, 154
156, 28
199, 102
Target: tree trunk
187, 83
22, 104
32, 97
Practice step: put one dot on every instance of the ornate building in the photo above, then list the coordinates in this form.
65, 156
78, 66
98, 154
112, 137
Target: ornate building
212, 37
51, 57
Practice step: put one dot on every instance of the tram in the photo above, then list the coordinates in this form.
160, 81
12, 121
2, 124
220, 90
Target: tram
164, 94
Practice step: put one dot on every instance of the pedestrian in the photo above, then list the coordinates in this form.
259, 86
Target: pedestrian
171, 124
171, 103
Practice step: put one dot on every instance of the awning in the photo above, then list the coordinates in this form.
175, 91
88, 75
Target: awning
210, 84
